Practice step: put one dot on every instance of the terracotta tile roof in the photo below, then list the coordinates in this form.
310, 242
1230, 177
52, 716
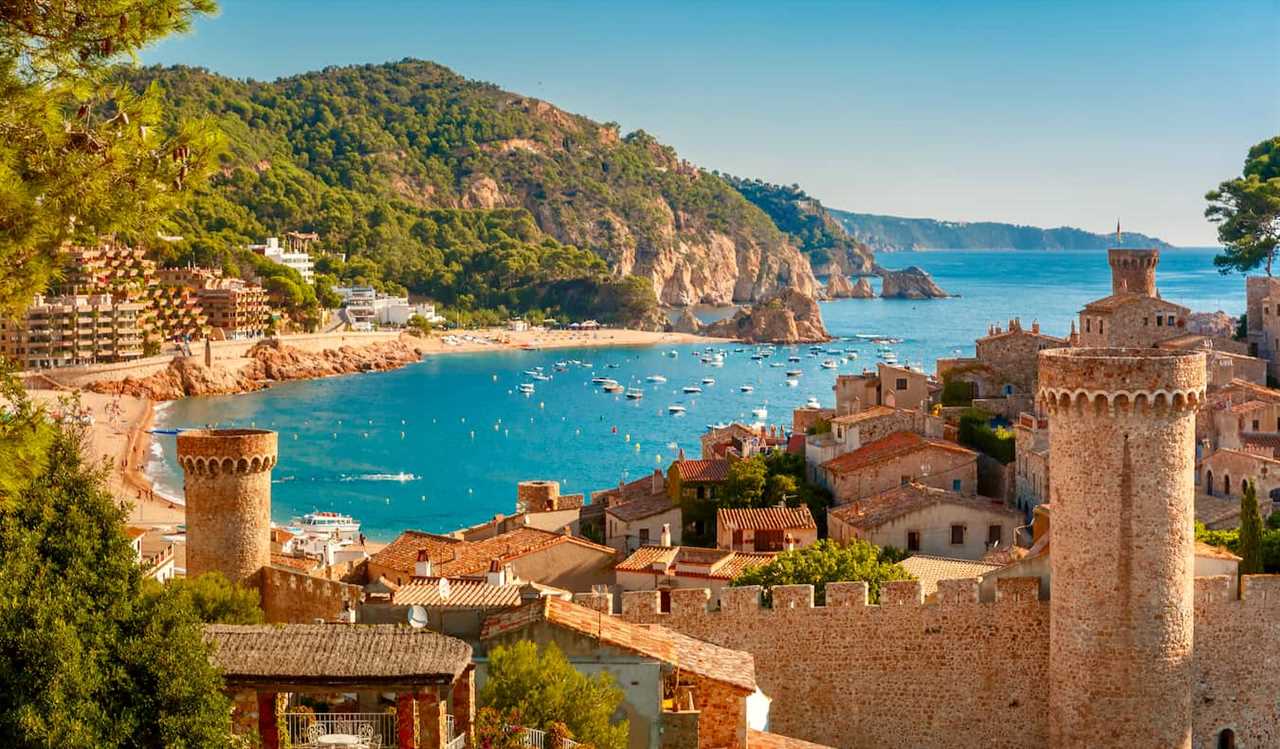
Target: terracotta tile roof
644, 487
451, 557
680, 651
691, 561
766, 518
638, 509
878, 509
280, 535
874, 412
1267, 459
1261, 441
296, 563
930, 569
1253, 390
1115, 301
459, 593
1249, 405
1005, 333
335, 653
762, 740
134, 531
896, 445
1214, 552
716, 469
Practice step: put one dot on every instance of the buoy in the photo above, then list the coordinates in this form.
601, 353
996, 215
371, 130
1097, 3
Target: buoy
366, 435
627, 437
473, 434
335, 435
471, 491
614, 430
402, 435
541, 404
495, 378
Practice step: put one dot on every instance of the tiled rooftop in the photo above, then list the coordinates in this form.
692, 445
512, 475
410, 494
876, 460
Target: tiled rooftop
452, 557
896, 445
680, 651
720, 563
766, 518
930, 569
457, 593
703, 470
878, 509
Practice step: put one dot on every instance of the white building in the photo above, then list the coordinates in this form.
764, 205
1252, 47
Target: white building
291, 257
366, 308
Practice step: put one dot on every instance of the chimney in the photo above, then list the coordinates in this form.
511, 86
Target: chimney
1035, 326
328, 553
680, 455
658, 483
664, 539
497, 576
422, 567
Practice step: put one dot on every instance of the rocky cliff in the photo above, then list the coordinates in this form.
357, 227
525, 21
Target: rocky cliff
839, 286
909, 283
267, 363
788, 317
862, 290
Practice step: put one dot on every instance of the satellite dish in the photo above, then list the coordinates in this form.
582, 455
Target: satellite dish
417, 617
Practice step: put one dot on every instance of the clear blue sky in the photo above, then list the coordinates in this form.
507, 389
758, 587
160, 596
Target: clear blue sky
1037, 112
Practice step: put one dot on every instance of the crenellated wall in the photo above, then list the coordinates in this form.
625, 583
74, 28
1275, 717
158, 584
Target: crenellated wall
294, 597
959, 674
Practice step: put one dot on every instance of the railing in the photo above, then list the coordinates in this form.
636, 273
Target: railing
299, 724
532, 737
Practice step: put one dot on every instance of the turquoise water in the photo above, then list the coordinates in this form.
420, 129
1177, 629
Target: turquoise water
441, 444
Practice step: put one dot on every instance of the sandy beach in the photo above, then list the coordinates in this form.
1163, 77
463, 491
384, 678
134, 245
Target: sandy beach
118, 432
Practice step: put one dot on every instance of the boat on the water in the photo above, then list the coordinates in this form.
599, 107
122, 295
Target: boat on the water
794, 372
525, 387
327, 523
760, 412
655, 378
599, 380
541, 377
675, 408
812, 403
829, 364
794, 359
717, 425
746, 388
613, 387
691, 389
635, 394
791, 382
708, 380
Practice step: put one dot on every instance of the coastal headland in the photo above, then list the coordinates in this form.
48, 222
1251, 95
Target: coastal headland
117, 402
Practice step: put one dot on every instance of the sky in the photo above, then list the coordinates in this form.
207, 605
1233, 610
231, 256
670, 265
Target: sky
1033, 112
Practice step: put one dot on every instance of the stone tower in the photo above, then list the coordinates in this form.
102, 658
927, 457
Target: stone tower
537, 496
1133, 271
1122, 442
228, 490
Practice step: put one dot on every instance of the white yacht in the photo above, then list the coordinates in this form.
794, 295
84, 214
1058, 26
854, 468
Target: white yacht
812, 403
691, 389
635, 394
675, 408
708, 380
829, 364
526, 388
327, 523
655, 378
747, 388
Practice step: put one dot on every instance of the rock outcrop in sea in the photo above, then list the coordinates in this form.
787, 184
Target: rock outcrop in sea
686, 322
839, 286
910, 283
862, 290
787, 317
267, 363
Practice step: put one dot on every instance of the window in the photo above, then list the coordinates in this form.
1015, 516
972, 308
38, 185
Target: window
955, 485
1159, 321
702, 492
1227, 739
1226, 485
904, 480
1256, 424
913, 540
1088, 325
1144, 322
664, 601
901, 384
957, 535
1099, 327
995, 534
1208, 482
644, 536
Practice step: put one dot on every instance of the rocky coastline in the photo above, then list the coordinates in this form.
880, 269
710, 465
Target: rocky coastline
788, 317
268, 362
909, 283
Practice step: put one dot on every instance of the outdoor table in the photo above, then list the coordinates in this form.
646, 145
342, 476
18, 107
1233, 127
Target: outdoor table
341, 739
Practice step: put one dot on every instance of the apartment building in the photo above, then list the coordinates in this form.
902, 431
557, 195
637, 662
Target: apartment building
73, 330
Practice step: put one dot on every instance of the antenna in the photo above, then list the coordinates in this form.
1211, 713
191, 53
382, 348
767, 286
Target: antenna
417, 617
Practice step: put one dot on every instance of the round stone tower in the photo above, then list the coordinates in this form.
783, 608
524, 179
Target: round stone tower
1133, 271
537, 495
228, 491
1122, 454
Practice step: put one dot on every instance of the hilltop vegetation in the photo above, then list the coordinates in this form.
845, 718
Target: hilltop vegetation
821, 237
887, 233
471, 195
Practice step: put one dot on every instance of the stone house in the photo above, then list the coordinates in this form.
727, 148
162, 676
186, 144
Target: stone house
1133, 315
666, 568
1004, 362
1263, 320
555, 559
803, 418
1223, 473
694, 485
1236, 409
890, 385
1224, 361
765, 529
925, 520
898, 459
741, 440
852, 431
930, 570
1031, 462
640, 514
679, 691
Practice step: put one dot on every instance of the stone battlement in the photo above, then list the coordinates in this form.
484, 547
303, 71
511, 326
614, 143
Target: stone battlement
212, 452
1119, 380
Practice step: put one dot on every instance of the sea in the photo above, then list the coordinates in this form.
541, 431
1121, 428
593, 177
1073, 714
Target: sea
441, 444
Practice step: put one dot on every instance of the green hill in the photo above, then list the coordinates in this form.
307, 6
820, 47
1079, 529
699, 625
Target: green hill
888, 233
820, 235
470, 195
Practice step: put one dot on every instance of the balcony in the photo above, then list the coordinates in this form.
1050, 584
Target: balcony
304, 728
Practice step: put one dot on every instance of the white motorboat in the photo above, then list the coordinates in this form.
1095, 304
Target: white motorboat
541, 377
760, 413
792, 383
613, 387
708, 380
829, 364
599, 380
655, 378
525, 387
747, 388
794, 372
691, 389
793, 359
327, 523
812, 403
675, 408
635, 394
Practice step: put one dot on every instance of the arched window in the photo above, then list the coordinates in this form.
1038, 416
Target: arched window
1226, 485
1208, 482
1227, 739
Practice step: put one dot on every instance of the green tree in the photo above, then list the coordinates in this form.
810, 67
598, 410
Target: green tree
827, 562
87, 658
212, 597
543, 688
782, 487
1250, 552
79, 157
419, 326
1247, 211
745, 484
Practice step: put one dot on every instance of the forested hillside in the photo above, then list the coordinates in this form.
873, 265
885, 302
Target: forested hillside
821, 237
468, 194
887, 233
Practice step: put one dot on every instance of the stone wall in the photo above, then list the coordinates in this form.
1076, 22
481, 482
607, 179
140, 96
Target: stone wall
959, 673
294, 597
723, 720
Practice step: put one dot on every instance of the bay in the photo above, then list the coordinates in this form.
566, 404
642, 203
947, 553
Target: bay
441, 444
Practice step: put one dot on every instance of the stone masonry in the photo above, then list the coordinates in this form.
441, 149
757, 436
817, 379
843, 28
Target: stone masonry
228, 494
